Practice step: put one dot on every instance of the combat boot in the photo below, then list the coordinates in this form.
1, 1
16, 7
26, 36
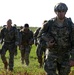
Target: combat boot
5, 65
11, 69
22, 62
41, 65
40, 61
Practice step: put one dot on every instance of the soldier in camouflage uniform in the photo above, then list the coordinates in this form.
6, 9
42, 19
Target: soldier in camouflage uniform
10, 39
40, 45
26, 43
61, 48
1, 37
36, 36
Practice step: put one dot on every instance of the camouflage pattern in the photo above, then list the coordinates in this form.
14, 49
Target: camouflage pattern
36, 35
25, 45
59, 54
10, 39
25, 51
61, 7
19, 37
40, 49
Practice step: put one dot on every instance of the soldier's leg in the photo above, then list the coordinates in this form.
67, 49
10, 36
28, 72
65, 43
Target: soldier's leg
3, 52
39, 53
22, 56
44, 55
40, 60
15, 51
22, 51
27, 52
50, 65
58, 67
11, 58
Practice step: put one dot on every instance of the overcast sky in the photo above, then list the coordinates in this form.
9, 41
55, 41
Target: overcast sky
33, 12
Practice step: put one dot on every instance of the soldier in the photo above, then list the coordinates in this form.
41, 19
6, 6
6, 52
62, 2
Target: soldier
36, 33
26, 43
40, 45
61, 48
36, 36
21, 27
10, 39
2, 30
1, 37
15, 26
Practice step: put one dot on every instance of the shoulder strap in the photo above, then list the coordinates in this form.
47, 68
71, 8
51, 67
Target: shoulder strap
70, 24
50, 22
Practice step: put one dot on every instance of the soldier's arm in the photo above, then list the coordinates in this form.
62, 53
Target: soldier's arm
16, 37
43, 29
72, 50
36, 35
48, 39
31, 39
20, 37
2, 35
36, 32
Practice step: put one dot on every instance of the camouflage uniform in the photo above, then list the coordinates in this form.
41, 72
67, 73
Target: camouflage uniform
40, 43
59, 55
10, 39
40, 46
26, 44
15, 27
36, 35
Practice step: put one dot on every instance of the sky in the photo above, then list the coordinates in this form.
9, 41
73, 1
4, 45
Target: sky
33, 12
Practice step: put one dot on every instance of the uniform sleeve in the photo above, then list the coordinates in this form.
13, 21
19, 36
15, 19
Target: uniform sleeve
20, 37
2, 35
43, 29
36, 32
72, 51
31, 39
17, 37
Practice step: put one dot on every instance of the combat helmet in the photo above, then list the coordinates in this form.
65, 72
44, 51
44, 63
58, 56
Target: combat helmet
61, 7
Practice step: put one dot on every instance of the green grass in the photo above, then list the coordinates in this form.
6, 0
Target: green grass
32, 69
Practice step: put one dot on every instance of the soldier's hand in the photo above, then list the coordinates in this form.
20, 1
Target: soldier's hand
50, 43
71, 63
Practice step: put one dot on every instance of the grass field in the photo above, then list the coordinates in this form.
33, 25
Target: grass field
32, 69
